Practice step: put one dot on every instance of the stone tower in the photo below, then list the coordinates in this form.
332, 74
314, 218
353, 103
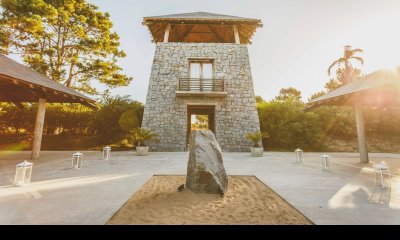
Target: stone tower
201, 66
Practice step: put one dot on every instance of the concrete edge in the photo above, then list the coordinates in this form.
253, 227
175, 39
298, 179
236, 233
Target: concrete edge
304, 215
126, 201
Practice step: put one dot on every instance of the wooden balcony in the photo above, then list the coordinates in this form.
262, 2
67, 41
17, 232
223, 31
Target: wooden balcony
201, 87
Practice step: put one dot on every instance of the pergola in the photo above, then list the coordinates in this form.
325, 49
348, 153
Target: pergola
19, 83
378, 89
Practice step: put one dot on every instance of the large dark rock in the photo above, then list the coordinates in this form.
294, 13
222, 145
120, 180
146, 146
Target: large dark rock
205, 170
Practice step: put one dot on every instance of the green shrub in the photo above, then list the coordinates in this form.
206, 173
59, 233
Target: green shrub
112, 123
111, 120
289, 126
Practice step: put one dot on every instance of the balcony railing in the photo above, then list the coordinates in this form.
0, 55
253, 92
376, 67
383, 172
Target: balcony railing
201, 85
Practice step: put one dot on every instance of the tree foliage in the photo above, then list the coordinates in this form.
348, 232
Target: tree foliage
107, 120
332, 84
200, 123
316, 95
13, 119
289, 93
129, 120
347, 73
59, 119
112, 123
351, 73
259, 99
289, 126
69, 41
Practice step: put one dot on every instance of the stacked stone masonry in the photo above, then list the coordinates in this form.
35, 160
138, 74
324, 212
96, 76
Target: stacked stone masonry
235, 113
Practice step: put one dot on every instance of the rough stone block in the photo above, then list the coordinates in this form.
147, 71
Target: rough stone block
205, 170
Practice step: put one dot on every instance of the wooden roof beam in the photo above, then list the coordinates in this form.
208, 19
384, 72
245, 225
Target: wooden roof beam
90, 105
215, 34
19, 105
186, 34
10, 99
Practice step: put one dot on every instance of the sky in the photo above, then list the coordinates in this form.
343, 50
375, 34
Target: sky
294, 48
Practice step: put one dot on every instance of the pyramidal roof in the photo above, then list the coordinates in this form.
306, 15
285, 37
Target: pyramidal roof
201, 16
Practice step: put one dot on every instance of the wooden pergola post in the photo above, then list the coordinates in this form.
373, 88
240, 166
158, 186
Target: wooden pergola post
166, 34
37, 137
236, 32
362, 141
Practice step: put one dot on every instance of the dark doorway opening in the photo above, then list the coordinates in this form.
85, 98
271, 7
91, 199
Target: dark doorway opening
200, 117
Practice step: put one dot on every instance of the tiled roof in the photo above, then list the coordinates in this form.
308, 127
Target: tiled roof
201, 16
15, 70
374, 80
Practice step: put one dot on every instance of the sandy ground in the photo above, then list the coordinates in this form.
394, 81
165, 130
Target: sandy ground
247, 201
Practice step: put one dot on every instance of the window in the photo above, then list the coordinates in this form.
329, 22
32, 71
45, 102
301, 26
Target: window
200, 75
201, 69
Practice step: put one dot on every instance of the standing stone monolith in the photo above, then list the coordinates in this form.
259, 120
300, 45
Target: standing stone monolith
205, 170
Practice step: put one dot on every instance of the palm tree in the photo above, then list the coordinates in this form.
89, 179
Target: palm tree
348, 68
141, 135
256, 137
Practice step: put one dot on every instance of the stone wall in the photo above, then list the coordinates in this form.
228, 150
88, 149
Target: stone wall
235, 114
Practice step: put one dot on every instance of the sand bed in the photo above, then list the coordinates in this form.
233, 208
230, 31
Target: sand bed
247, 201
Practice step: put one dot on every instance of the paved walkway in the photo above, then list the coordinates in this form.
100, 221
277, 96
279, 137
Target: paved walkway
91, 195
